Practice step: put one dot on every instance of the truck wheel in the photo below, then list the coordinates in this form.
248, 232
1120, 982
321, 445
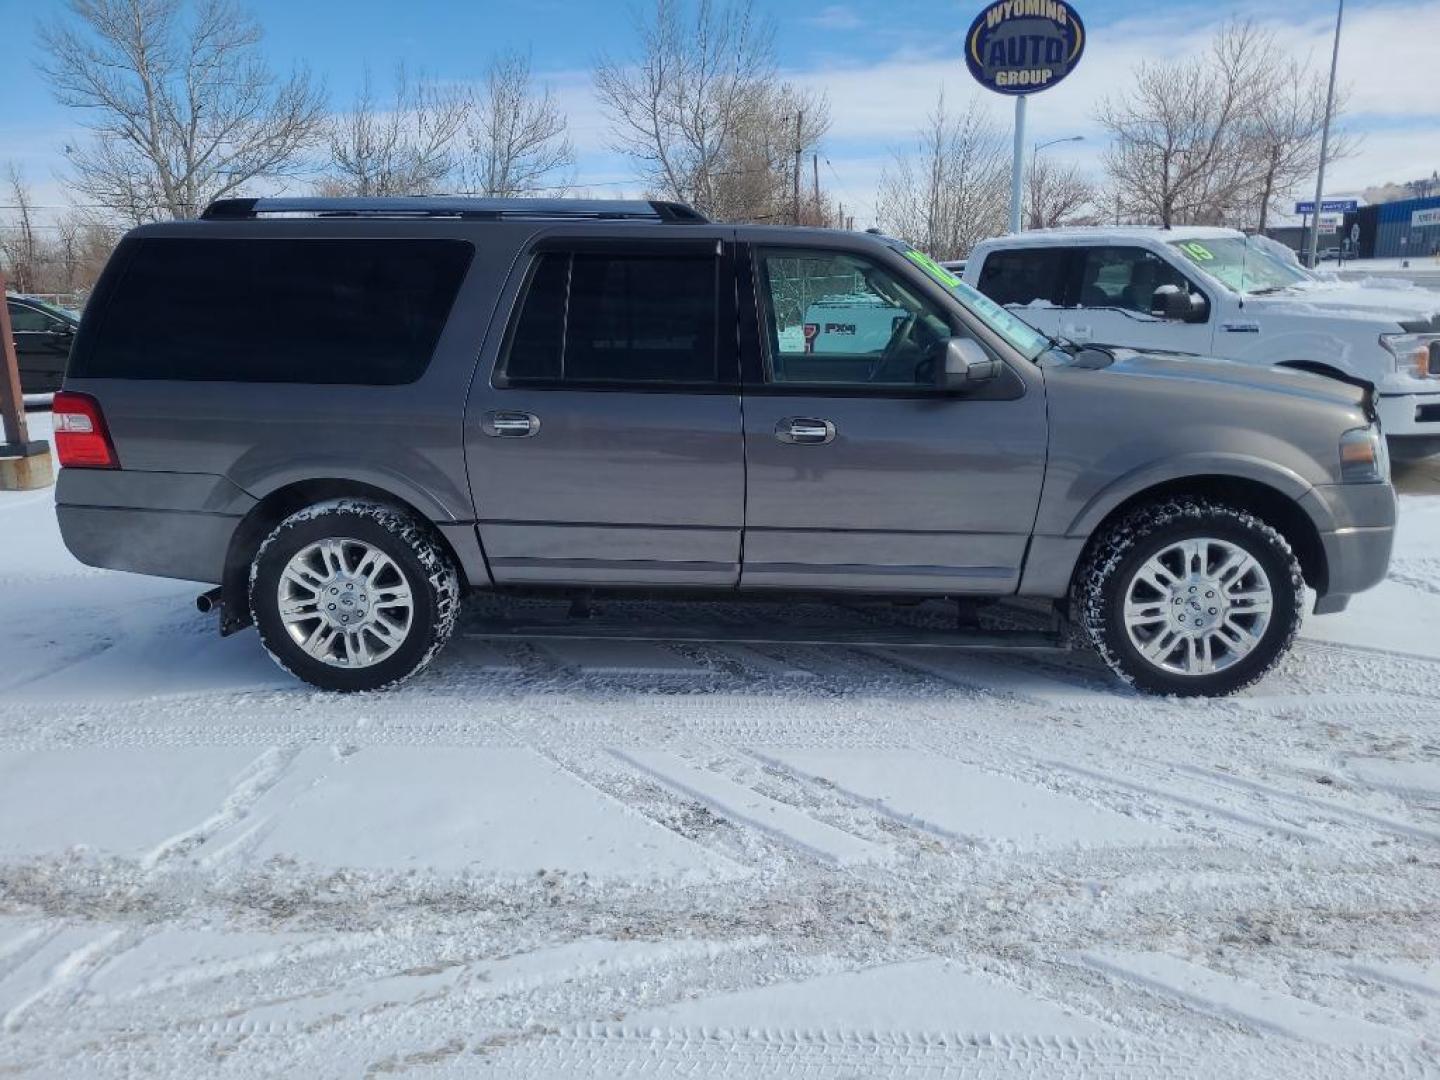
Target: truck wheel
352, 595
1189, 597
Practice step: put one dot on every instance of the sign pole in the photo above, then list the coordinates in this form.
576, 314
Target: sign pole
1017, 166
12, 403
1325, 140
1019, 49
24, 465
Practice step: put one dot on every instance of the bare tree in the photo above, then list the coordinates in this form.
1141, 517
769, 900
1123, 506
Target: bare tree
515, 133
407, 147
704, 115
1180, 149
1057, 195
17, 243
64, 255
1284, 134
183, 108
949, 190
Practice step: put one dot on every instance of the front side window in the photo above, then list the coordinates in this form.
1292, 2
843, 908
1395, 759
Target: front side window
1127, 278
833, 318
610, 320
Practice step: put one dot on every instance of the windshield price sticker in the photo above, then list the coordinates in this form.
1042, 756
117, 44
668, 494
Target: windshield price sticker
1197, 251
1021, 46
933, 268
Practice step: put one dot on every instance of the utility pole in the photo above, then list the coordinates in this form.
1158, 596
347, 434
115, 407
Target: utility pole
795, 211
815, 177
1325, 141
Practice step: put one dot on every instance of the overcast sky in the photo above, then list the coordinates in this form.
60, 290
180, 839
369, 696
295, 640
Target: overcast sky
880, 65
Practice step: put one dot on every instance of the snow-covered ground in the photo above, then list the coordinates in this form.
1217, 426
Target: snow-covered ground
1420, 270
598, 861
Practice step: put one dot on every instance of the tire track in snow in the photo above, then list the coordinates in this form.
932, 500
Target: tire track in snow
567, 1054
66, 978
257, 780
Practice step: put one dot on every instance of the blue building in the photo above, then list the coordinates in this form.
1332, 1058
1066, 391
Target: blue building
1398, 230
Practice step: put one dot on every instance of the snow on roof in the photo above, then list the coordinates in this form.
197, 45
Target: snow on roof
1091, 233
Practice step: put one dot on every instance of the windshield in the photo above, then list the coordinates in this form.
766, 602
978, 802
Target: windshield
64, 314
1238, 265
1025, 338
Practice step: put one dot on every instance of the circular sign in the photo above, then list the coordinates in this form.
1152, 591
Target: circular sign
1024, 46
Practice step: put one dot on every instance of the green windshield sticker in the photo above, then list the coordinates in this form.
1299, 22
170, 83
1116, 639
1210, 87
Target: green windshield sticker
933, 268
1197, 251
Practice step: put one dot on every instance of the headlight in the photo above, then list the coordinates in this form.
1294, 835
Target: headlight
1416, 355
1364, 458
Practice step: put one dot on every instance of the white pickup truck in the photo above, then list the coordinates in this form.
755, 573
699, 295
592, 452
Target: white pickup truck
1209, 290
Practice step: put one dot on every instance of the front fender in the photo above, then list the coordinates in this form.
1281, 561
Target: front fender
1283, 480
1360, 361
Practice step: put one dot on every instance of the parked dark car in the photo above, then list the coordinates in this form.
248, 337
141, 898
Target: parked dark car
347, 414
43, 336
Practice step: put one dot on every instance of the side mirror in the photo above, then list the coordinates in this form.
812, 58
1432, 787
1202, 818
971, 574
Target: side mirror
967, 364
1178, 305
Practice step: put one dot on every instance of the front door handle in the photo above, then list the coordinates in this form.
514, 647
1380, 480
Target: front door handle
803, 429
513, 425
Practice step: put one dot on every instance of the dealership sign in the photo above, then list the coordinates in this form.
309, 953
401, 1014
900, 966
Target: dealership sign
1021, 46
1329, 206
1421, 218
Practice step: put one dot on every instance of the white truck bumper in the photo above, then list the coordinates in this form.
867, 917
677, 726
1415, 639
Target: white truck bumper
1407, 415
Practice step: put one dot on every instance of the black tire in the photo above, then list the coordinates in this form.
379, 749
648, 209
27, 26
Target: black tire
427, 568
1114, 557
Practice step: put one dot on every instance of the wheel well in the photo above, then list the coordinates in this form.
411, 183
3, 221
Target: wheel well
275, 508
1317, 368
1271, 506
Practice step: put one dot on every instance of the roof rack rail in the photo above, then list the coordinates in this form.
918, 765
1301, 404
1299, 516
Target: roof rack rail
419, 207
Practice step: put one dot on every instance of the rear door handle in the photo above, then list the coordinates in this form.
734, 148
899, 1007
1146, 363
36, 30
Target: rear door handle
803, 429
512, 425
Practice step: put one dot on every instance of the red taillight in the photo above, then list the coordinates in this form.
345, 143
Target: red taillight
82, 440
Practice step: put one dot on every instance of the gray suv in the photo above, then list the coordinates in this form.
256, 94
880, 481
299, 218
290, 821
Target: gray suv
348, 414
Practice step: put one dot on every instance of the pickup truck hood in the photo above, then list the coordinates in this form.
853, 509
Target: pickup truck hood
1214, 370
1380, 300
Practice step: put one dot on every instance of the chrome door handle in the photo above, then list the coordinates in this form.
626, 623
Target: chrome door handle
514, 425
803, 429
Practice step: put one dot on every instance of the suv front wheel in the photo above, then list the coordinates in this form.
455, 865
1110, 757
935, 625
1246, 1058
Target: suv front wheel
353, 595
1190, 597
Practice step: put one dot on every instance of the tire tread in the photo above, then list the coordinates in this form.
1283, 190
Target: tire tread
1088, 603
440, 574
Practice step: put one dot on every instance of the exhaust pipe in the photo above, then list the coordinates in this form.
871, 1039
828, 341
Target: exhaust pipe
207, 602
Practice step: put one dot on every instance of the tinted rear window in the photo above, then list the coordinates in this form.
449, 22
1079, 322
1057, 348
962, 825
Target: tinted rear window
276, 310
1022, 277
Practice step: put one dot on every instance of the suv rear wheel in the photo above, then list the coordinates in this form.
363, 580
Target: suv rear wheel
1190, 597
352, 595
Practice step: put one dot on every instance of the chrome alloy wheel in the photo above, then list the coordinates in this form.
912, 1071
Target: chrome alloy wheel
345, 602
1198, 606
